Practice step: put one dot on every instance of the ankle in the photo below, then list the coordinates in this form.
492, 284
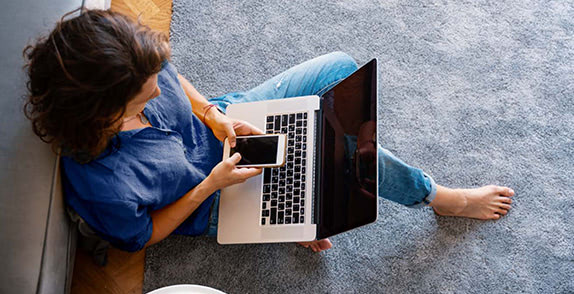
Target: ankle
462, 197
449, 200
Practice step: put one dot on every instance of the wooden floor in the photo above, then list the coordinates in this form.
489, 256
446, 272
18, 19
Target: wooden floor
154, 13
124, 271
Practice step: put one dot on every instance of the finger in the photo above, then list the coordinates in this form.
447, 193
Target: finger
235, 158
245, 128
248, 172
255, 130
230, 134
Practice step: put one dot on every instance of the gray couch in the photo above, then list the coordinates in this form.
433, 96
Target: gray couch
36, 239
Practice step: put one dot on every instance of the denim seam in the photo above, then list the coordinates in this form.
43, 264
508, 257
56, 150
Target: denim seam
318, 93
212, 221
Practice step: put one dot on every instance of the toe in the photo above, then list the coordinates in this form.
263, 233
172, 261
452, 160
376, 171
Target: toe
504, 206
505, 191
502, 211
315, 248
502, 199
495, 216
325, 244
318, 245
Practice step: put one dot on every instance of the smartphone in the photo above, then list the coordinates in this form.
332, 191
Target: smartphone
258, 150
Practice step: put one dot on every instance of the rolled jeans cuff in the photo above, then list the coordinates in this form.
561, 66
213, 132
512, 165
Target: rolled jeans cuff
430, 197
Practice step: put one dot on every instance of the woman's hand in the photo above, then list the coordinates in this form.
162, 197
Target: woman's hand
222, 126
226, 173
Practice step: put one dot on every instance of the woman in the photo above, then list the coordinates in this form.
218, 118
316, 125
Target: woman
141, 147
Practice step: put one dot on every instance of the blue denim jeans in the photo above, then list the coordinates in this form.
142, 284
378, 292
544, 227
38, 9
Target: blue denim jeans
398, 181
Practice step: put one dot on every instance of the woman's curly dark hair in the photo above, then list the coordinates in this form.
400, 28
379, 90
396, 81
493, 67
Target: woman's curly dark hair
82, 76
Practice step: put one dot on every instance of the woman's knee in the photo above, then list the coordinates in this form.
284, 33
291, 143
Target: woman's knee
339, 60
333, 68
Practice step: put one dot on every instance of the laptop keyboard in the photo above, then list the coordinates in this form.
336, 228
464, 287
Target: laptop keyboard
283, 199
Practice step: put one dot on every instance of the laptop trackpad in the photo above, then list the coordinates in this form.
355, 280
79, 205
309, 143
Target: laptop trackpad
297, 232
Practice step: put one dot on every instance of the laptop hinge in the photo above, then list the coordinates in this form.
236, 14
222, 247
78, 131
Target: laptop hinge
317, 164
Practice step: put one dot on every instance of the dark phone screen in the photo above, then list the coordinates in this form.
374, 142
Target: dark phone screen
256, 150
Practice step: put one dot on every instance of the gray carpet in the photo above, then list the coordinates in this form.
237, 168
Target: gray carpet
473, 92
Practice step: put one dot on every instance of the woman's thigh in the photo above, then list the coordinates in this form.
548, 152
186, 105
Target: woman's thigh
313, 77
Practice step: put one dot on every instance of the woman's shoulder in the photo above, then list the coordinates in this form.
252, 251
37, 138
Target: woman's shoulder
172, 107
168, 78
101, 165
168, 69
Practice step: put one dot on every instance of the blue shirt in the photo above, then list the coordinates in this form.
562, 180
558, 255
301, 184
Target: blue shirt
152, 168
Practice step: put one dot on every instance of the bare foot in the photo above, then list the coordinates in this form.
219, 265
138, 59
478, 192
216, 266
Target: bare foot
488, 202
317, 245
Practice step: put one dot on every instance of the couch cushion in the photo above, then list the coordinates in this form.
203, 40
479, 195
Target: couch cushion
30, 240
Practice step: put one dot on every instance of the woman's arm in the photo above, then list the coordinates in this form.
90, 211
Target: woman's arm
224, 174
221, 125
198, 105
167, 219
198, 102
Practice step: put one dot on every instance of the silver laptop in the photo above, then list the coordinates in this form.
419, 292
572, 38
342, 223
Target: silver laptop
328, 184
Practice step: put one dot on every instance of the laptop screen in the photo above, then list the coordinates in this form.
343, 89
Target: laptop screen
348, 196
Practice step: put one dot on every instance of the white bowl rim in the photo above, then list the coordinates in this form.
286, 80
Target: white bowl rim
186, 287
